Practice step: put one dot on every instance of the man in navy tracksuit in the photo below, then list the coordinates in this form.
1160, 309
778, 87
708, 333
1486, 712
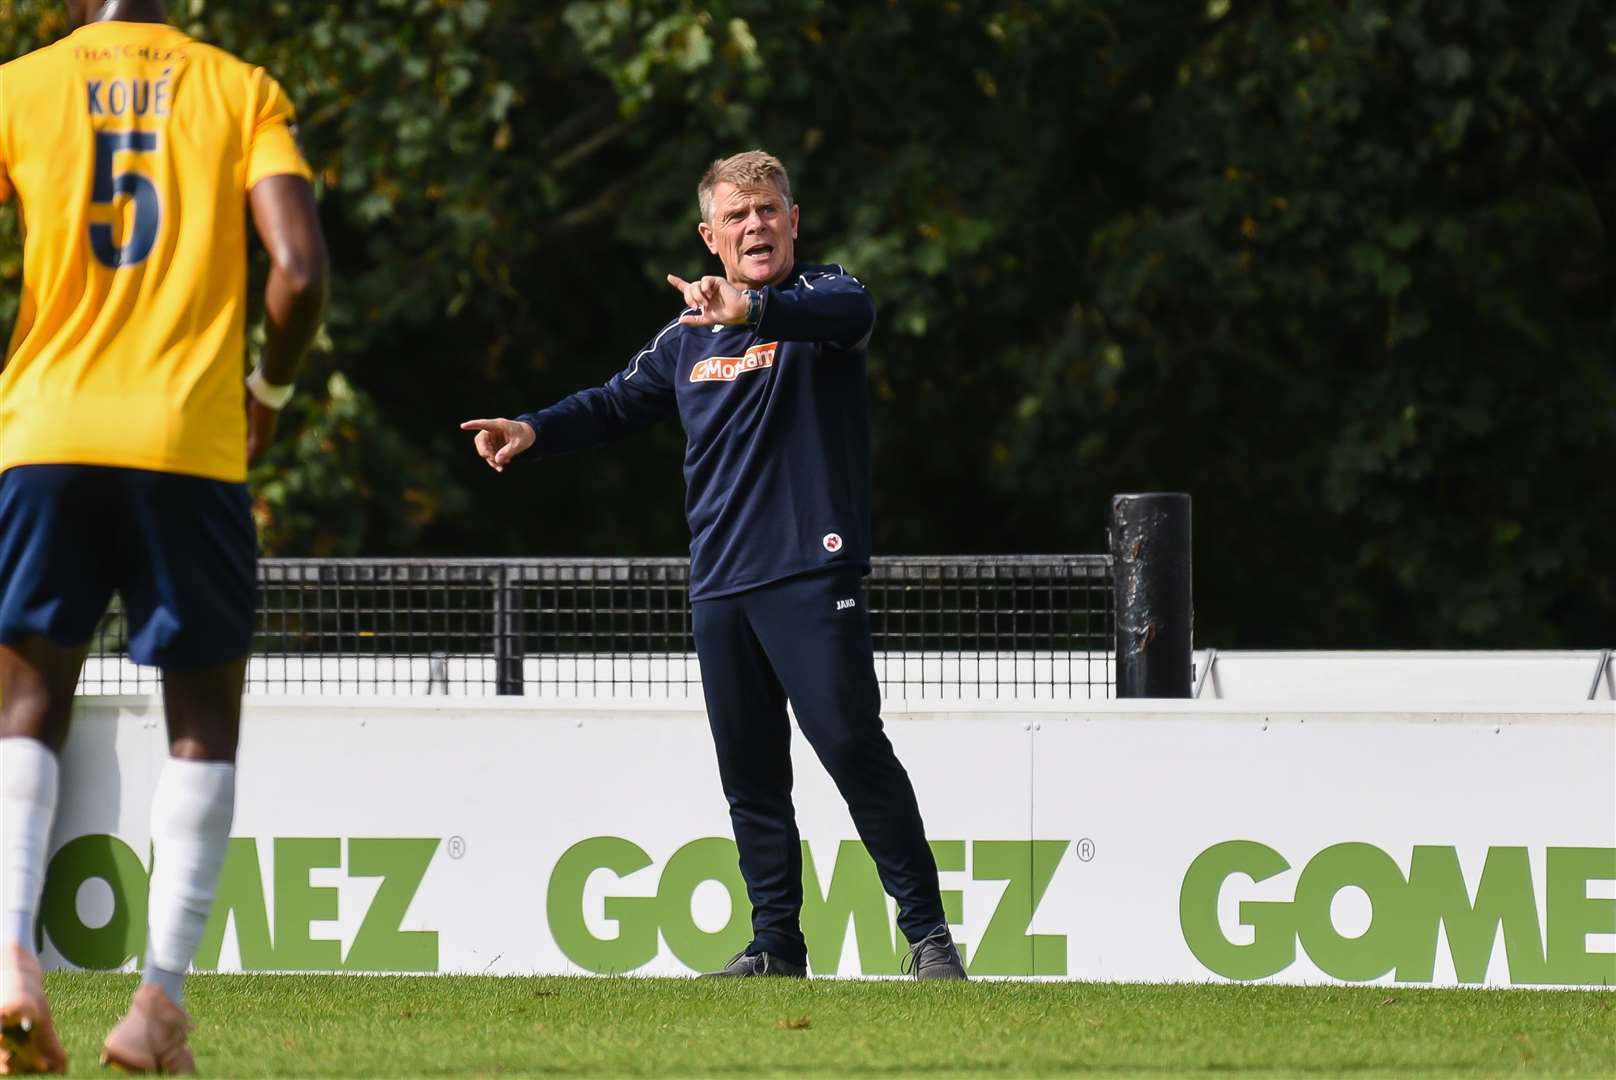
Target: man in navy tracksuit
766, 370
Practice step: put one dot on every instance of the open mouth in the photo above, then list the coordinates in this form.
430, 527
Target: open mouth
758, 251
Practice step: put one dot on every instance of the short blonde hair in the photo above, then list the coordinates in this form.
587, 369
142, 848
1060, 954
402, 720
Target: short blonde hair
752, 167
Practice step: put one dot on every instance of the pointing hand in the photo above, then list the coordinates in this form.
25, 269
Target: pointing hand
717, 302
498, 441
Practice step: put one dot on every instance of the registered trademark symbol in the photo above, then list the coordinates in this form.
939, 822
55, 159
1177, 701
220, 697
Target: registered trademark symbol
1085, 850
456, 847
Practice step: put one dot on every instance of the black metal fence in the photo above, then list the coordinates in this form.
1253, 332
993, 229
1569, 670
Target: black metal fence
944, 627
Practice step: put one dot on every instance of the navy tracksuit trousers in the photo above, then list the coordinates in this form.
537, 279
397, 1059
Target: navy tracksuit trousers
800, 639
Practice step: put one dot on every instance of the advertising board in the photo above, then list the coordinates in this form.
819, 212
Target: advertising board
1124, 841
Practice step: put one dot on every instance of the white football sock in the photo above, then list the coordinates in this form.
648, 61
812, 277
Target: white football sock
191, 814
29, 777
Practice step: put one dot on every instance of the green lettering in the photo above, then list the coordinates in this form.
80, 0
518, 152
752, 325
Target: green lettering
123, 936
712, 858
380, 944
1273, 943
950, 856
1372, 953
1504, 899
297, 903
1005, 947
1573, 915
240, 895
636, 942
857, 896
1409, 916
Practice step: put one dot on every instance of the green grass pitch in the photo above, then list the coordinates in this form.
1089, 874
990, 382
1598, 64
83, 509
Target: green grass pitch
294, 1025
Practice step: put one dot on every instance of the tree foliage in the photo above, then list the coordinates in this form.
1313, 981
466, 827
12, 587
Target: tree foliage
1340, 269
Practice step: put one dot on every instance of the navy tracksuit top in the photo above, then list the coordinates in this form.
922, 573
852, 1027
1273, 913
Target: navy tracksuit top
777, 429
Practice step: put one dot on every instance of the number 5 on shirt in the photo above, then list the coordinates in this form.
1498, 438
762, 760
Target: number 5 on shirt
109, 185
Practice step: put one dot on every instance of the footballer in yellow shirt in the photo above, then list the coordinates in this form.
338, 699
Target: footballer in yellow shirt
131, 148
136, 155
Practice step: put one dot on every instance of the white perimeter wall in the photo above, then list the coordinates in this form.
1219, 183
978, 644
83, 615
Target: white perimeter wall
1067, 832
1387, 678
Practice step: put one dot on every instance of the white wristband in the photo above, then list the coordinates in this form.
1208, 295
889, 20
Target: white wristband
268, 394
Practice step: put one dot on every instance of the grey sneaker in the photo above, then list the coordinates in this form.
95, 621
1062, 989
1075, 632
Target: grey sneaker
935, 957
744, 965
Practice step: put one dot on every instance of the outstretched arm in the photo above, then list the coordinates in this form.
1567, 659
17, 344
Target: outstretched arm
634, 398
284, 215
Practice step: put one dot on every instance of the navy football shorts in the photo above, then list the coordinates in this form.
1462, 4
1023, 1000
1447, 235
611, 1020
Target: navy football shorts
181, 550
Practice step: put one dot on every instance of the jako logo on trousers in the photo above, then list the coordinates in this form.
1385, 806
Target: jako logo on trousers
726, 368
851, 893
1409, 914
282, 945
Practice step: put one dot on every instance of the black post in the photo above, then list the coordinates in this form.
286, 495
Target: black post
507, 634
1150, 550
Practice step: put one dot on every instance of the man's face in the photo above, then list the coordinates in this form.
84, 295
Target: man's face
752, 232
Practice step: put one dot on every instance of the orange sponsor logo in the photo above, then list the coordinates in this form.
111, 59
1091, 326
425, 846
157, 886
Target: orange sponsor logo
727, 368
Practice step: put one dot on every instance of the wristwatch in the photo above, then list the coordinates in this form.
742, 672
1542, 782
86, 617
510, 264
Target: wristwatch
754, 306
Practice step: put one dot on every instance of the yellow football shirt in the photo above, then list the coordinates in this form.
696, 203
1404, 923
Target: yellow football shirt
131, 148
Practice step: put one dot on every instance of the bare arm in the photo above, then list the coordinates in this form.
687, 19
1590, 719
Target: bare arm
294, 298
284, 215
